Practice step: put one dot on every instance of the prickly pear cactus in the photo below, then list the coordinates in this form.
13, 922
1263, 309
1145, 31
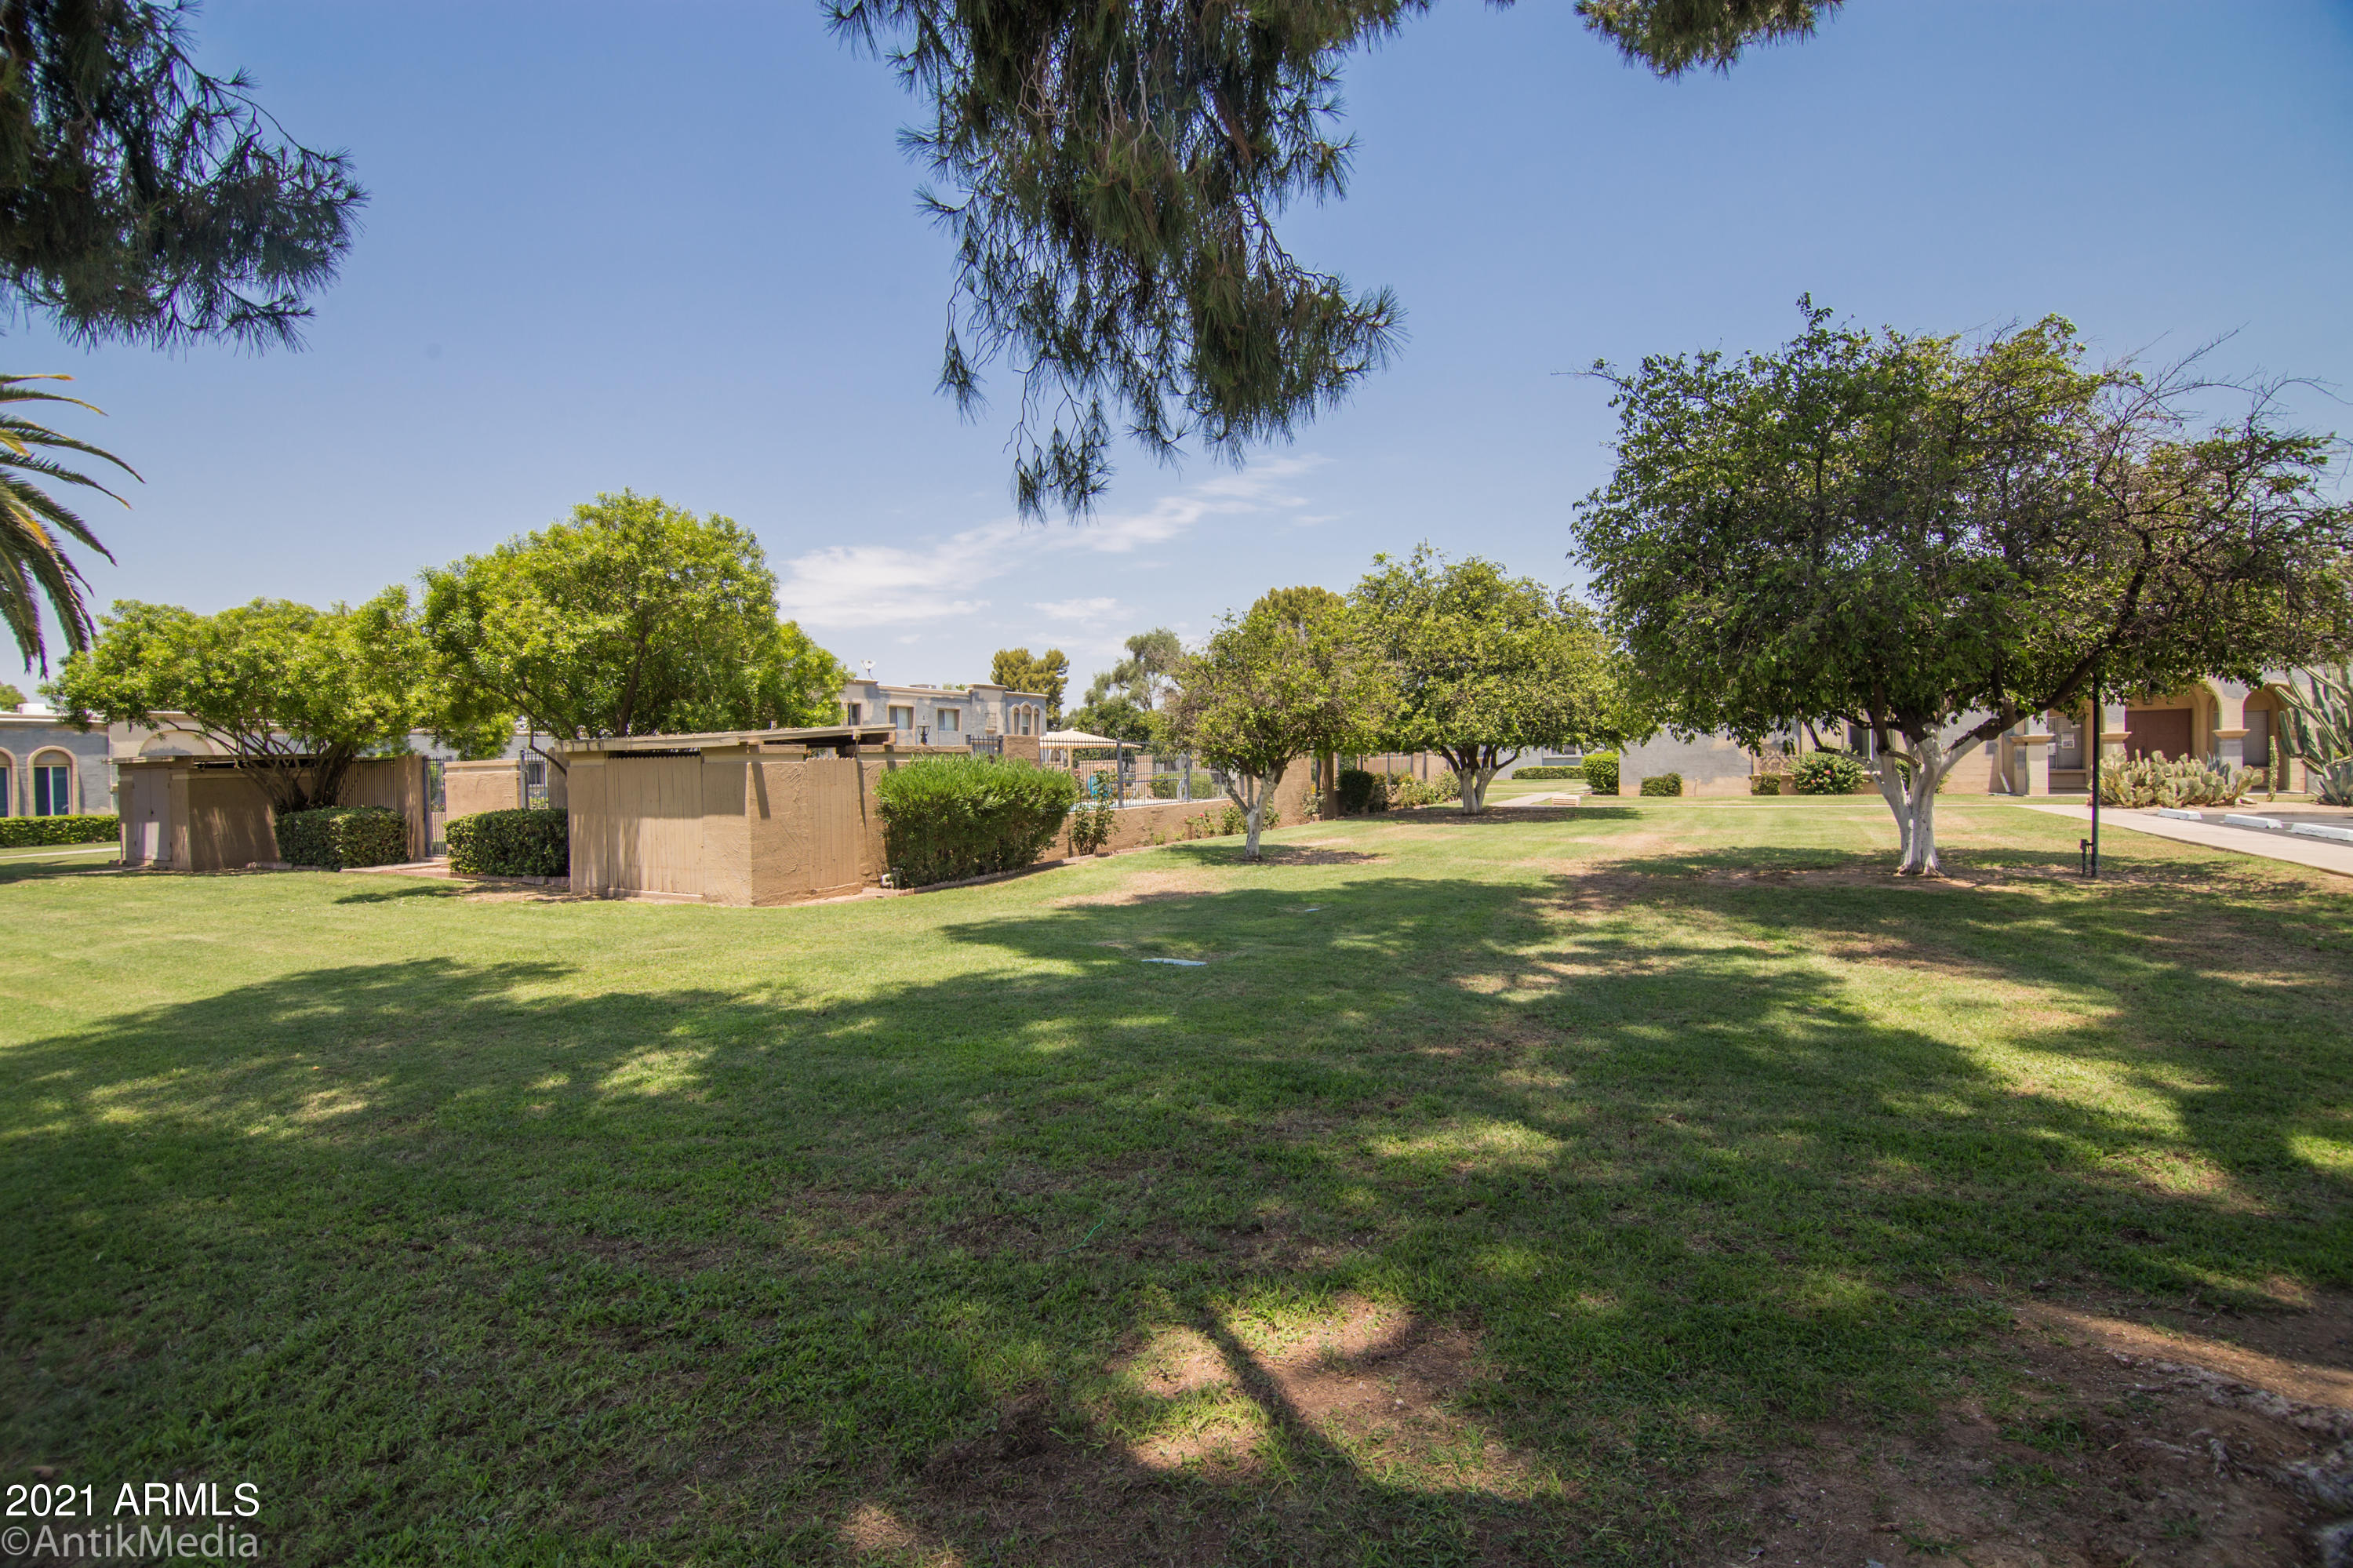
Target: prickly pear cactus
2317, 727
2154, 781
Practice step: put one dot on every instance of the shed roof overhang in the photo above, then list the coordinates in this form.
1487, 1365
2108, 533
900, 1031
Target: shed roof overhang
715, 740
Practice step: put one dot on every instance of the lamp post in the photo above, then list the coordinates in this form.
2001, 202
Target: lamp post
2099, 713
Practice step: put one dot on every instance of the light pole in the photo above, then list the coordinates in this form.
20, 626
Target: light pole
2099, 713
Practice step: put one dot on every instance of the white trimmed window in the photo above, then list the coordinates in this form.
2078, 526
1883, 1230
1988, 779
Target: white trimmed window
52, 784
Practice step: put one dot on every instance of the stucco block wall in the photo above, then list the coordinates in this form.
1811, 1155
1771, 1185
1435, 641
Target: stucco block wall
468, 788
1710, 765
1133, 827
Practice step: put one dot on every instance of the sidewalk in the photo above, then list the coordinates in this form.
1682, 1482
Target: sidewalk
2319, 853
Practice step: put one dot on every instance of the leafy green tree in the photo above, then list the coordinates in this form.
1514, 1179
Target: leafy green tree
1294, 677
1114, 718
1487, 667
1047, 676
634, 617
1115, 178
33, 564
146, 200
1123, 702
1144, 675
1937, 540
10, 697
296, 695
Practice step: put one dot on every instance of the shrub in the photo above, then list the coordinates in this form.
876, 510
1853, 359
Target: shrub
1765, 784
2154, 781
1090, 827
1663, 784
1601, 772
950, 816
1408, 792
1548, 773
31, 832
1356, 790
533, 840
340, 836
1830, 773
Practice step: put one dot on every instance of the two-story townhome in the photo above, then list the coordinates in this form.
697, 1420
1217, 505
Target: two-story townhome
945, 716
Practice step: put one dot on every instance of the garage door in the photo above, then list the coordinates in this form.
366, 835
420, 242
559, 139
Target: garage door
2152, 730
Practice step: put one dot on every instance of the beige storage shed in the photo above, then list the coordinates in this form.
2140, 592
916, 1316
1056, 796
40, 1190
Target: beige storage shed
199, 813
746, 816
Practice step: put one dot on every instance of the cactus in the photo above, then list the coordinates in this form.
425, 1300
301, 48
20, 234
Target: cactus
2154, 781
2317, 726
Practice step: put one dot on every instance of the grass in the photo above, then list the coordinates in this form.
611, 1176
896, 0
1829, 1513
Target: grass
1607, 1150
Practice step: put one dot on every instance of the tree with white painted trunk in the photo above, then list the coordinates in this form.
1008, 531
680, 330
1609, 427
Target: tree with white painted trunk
1938, 540
1487, 667
1292, 678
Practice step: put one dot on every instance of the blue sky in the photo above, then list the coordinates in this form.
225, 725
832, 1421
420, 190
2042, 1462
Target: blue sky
674, 249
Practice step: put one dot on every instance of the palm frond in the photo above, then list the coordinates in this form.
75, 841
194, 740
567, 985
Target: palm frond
32, 560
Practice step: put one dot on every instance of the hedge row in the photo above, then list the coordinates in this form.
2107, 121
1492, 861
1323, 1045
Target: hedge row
1549, 772
1601, 771
1663, 784
31, 832
946, 818
531, 841
340, 836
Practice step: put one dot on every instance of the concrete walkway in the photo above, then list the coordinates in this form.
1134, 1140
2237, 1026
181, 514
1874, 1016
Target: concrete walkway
2321, 854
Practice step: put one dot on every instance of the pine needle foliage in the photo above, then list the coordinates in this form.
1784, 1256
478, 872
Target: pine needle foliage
144, 200
1114, 174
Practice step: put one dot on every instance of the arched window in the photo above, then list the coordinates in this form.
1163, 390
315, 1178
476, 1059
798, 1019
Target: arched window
52, 784
8, 785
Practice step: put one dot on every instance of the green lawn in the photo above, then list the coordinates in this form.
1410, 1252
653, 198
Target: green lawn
1484, 1184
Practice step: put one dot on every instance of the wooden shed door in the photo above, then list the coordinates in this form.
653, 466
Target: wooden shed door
836, 829
2151, 730
151, 803
656, 805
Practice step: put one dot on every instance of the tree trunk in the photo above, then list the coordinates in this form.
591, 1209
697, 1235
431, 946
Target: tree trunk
1891, 790
1251, 792
1915, 803
1474, 782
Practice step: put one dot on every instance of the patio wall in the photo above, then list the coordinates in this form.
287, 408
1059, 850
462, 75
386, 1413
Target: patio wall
1132, 827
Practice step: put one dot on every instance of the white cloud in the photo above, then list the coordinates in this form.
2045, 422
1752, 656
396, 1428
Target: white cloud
1083, 611
854, 586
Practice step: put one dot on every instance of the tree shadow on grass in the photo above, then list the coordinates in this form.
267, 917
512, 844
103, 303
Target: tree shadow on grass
503, 1254
393, 893
31, 870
